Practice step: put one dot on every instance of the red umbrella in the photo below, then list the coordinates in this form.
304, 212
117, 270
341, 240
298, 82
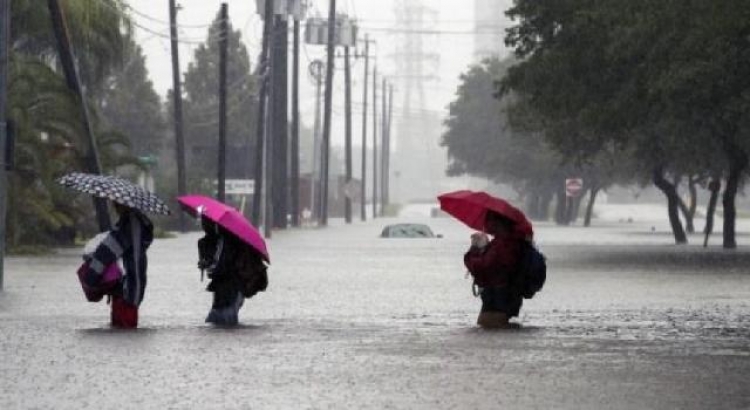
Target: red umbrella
228, 217
471, 208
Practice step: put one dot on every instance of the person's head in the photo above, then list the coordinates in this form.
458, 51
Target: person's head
496, 224
120, 209
208, 225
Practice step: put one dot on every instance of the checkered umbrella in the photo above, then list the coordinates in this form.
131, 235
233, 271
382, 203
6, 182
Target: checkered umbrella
117, 190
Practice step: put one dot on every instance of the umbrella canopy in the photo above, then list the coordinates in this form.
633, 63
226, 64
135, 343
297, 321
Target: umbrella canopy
471, 208
117, 190
228, 217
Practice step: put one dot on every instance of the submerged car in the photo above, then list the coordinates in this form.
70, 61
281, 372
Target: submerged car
407, 230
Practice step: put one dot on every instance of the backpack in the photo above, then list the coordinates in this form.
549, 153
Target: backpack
108, 283
251, 271
533, 270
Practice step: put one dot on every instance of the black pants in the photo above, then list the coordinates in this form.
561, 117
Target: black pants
501, 300
225, 290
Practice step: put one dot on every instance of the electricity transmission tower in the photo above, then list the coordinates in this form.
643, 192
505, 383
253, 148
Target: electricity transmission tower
417, 130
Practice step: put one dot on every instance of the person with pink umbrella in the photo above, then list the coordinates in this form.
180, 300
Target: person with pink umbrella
232, 253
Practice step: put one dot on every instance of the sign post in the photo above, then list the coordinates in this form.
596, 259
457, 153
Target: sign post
573, 187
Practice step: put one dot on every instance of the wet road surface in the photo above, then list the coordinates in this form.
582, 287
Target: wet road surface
626, 321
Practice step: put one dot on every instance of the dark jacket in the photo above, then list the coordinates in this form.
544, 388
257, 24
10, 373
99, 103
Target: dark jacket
495, 265
129, 240
231, 264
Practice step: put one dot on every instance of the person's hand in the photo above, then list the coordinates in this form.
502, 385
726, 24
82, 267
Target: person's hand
479, 240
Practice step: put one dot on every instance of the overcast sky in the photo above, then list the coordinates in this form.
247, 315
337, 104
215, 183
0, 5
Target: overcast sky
455, 46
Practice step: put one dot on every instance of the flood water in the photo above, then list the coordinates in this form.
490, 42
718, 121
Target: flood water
350, 320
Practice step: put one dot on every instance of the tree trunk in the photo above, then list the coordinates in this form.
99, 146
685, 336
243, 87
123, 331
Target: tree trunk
685, 210
590, 206
575, 209
739, 162
693, 189
670, 191
715, 187
545, 203
561, 209
532, 205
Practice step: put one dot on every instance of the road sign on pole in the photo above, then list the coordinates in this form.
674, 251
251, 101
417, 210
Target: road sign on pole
573, 187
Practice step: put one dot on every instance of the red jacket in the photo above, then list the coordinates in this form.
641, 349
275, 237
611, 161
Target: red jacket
494, 265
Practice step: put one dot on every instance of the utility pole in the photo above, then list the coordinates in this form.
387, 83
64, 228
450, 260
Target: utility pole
375, 143
384, 142
316, 186
67, 61
260, 131
365, 98
348, 126
271, 123
223, 44
328, 108
280, 186
4, 55
177, 101
387, 149
295, 126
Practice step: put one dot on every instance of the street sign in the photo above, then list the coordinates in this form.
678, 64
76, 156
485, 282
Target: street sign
239, 186
573, 187
352, 189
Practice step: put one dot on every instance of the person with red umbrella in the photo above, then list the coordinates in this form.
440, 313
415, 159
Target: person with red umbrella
494, 264
494, 267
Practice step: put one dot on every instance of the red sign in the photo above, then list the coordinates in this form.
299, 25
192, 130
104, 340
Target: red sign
573, 187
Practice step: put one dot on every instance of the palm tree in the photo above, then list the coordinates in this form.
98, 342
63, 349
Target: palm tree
50, 139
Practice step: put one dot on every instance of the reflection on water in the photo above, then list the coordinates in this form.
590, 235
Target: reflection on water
352, 320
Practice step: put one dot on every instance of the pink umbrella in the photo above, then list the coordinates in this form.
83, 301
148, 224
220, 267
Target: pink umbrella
226, 216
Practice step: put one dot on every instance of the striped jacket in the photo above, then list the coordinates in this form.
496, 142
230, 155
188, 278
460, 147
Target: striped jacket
129, 240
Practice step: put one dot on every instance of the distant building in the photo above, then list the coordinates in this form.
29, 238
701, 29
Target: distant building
490, 24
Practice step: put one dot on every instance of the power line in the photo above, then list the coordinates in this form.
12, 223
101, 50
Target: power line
157, 20
395, 30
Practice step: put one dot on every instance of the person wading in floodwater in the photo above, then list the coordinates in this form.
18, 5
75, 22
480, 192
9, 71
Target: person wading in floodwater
494, 265
129, 241
236, 272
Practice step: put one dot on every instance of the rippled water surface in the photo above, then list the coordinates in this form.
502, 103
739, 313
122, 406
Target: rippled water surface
626, 320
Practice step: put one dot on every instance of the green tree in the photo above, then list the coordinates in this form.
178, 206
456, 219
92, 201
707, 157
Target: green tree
500, 140
201, 110
130, 106
662, 80
49, 135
